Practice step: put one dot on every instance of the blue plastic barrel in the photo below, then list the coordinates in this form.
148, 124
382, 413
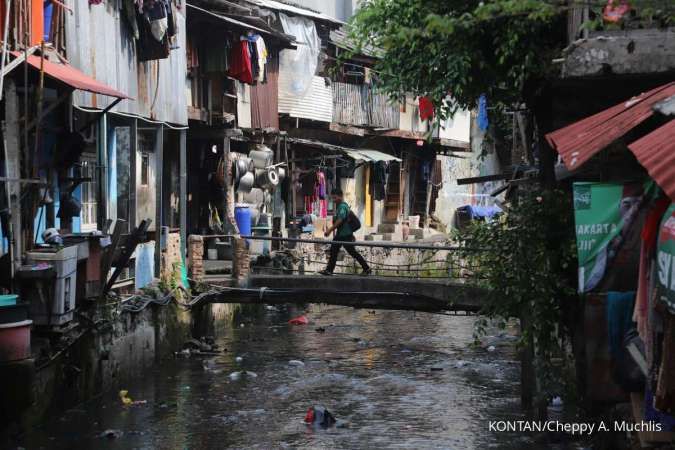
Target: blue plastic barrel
242, 215
8, 300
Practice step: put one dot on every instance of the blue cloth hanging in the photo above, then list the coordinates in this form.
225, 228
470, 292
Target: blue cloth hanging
482, 113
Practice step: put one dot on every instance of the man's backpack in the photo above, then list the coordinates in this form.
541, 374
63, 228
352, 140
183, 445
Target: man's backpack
353, 221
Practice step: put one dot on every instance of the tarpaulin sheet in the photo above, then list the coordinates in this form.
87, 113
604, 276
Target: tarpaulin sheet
301, 63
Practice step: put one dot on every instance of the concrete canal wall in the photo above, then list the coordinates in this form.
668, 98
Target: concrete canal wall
95, 357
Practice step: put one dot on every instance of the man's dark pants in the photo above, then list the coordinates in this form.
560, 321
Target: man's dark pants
351, 249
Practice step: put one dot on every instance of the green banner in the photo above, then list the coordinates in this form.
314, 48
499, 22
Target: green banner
603, 213
665, 259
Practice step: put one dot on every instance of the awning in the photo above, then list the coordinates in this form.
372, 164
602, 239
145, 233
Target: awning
358, 154
278, 6
243, 25
656, 153
69, 75
368, 155
578, 142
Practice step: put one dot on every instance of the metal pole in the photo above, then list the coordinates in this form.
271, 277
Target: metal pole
159, 187
182, 206
4, 47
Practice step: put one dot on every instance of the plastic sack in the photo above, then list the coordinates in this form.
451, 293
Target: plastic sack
301, 320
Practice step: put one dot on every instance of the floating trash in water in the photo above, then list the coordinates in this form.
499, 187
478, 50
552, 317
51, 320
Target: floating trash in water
238, 359
127, 401
296, 362
111, 434
319, 416
300, 320
235, 376
210, 365
320, 329
491, 348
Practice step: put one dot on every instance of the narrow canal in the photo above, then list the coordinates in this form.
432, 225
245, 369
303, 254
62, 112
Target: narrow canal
395, 380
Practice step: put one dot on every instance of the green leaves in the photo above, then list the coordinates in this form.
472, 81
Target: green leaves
525, 273
460, 48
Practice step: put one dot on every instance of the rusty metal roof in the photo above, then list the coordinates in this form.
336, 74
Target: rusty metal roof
297, 10
69, 75
245, 25
656, 153
578, 142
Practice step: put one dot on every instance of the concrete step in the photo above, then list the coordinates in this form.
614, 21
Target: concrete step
373, 237
389, 228
417, 233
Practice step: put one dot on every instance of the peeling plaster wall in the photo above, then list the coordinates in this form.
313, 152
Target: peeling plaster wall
630, 52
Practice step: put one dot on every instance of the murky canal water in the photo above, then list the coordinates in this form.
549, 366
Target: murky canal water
398, 380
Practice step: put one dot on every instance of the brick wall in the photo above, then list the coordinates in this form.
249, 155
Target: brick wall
195, 256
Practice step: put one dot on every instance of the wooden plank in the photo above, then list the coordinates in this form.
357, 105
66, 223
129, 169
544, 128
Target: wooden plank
130, 246
109, 255
346, 129
483, 179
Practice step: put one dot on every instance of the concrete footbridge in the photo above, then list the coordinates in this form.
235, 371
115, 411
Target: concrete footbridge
431, 294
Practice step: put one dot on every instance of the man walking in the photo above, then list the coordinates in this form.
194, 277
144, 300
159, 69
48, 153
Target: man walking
344, 234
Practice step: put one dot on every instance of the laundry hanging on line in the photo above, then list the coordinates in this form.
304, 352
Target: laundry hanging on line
248, 60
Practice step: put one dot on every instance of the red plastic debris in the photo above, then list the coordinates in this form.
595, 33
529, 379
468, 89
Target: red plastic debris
615, 10
309, 417
300, 320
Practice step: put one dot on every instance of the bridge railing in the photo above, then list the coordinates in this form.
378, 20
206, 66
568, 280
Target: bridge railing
393, 259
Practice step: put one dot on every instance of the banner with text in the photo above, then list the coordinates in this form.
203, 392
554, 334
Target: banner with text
604, 214
665, 259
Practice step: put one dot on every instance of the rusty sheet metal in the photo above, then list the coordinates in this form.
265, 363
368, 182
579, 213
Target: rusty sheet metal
656, 153
296, 10
382, 112
265, 98
67, 74
349, 104
578, 142
100, 44
359, 105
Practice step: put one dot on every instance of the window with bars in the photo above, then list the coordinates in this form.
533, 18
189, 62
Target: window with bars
88, 214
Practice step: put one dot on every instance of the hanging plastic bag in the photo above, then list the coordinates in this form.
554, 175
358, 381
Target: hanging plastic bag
301, 320
298, 67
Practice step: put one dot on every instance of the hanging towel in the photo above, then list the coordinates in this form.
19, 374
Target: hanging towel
262, 58
426, 108
482, 113
240, 63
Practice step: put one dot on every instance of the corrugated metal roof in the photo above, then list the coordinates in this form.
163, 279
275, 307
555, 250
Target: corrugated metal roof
100, 44
358, 154
69, 75
243, 25
341, 39
375, 156
578, 142
666, 107
317, 104
278, 6
656, 153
